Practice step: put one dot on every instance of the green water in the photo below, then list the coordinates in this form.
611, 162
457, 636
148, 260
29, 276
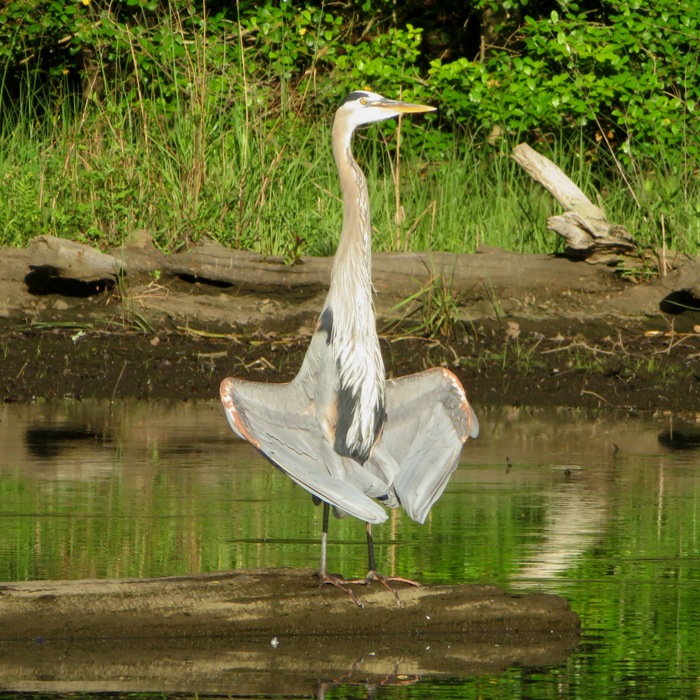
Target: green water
600, 508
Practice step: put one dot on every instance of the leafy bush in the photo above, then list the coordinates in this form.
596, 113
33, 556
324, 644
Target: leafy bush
624, 74
194, 121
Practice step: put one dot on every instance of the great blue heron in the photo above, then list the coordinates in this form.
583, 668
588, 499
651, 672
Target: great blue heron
339, 429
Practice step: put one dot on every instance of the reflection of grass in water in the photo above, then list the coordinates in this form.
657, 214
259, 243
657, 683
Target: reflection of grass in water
159, 519
639, 574
106, 528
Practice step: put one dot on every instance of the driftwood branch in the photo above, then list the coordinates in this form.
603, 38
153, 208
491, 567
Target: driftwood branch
393, 274
583, 225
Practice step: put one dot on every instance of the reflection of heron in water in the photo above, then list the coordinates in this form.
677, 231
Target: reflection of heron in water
685, 439
339, 429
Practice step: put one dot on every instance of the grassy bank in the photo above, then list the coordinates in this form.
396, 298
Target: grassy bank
260, 176
192, 121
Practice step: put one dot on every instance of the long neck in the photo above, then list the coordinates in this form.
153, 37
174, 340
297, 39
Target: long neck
352, 264
353, 340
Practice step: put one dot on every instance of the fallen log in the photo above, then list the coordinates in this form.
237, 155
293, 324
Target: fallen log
583, 225
150, 283
73, 260
265, 632
394, 274
489, 282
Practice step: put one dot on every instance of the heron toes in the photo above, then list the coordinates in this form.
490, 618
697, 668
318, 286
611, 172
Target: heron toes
384, 580
341, 583
372, 575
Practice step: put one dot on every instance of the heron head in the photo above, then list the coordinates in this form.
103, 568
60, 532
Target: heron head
363, 107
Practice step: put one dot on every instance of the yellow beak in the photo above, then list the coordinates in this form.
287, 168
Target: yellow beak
403, 107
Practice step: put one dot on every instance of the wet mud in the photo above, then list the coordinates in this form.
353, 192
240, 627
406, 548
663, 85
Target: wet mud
592, 366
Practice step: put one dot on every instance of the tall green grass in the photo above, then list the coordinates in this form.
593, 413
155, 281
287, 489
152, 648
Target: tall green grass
220, 163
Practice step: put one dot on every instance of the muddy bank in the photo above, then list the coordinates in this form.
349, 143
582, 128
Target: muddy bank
517, 329
215, 633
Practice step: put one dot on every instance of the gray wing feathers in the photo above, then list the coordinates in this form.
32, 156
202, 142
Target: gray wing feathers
410, 396
428, 420
278, 419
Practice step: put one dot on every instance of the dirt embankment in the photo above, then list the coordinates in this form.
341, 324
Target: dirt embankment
516, 328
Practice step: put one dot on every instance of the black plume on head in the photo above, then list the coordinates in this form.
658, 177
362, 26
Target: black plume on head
354, 96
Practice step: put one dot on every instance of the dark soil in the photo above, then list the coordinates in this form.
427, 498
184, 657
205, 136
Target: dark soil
516, 329
595, 366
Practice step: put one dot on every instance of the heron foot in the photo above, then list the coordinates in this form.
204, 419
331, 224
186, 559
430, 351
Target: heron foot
384, 580
344, 584
341, 583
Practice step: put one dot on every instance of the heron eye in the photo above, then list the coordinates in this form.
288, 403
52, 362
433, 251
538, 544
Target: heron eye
363, 100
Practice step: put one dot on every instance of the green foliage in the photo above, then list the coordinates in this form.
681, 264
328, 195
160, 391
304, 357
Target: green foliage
19, 213
625, 74
431, 312
33, 35
389, 61
191, 122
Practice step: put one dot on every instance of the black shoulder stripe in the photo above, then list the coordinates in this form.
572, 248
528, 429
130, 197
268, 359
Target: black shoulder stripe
379, 419
348, 404
325, 324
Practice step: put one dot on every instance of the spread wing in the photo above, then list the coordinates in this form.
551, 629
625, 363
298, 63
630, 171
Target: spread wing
428, 419
280, 421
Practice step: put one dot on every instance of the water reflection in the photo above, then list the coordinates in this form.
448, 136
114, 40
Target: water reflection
299, 666
574, 524
602, 508
680, 436
46, 442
